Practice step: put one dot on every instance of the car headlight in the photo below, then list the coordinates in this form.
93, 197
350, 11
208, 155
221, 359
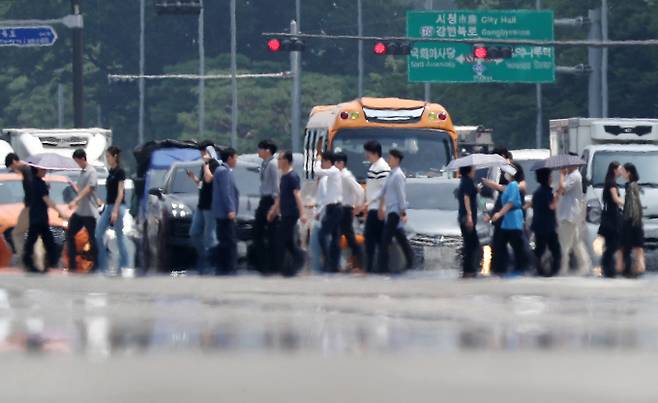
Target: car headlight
594, 211
180, 210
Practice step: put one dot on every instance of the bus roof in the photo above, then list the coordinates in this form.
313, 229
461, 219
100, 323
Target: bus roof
325, 116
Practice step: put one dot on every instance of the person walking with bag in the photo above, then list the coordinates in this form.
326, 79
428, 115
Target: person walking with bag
633, 230
86, 210
113, 211
611, 221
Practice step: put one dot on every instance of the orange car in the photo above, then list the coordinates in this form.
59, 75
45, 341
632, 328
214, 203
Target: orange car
11, 204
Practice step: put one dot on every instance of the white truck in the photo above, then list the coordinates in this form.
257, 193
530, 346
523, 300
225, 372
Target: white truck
599, 142
5, 149
94, 141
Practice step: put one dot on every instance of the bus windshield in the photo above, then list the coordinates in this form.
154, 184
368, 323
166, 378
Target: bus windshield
426, 151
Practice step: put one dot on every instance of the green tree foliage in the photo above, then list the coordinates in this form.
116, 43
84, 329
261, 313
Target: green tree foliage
30, 77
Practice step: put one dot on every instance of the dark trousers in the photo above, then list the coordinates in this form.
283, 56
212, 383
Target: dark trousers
470, 250
499, 255
287, 243
76, 223
33, 233
552, 242
392, 229
515, 239
608, 261
264, 236
347, 229
227, 247
330, 237
374, 229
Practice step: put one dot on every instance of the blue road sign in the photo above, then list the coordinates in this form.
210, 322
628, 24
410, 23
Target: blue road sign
27, 36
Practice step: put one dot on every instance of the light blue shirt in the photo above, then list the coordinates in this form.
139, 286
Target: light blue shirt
394, 192
513, 220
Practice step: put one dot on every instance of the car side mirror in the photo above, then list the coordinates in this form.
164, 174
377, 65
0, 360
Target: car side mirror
157, 192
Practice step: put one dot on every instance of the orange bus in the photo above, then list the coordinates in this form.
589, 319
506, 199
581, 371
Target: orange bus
422, 131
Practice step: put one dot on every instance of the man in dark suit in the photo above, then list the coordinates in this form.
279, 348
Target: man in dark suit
225, 203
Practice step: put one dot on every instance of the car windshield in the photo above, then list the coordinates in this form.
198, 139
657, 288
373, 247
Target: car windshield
644, 161
156, 178
61, 192
432, 196
181, 183
248, 179
425, 151
11, 192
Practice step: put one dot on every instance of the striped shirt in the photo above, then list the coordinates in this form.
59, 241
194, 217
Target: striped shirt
377, 175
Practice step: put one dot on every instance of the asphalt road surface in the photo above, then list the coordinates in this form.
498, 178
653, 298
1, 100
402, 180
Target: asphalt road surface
327, 339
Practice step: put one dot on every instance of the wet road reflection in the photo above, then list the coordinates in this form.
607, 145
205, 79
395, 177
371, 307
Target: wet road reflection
321, 315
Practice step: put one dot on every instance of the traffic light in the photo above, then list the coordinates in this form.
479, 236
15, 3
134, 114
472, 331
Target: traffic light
492, 52
178, 7
275, 45
392, 48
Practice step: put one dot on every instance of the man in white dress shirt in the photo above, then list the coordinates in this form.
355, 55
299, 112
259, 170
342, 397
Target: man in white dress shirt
377, 174
353, 196
330, 230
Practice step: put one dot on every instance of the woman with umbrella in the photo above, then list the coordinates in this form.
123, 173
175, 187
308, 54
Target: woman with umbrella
512, 223
611, 221
633, 231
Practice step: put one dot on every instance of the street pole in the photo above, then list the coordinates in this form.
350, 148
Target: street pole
60, 106
594, 60
142, 29
359, 13
604, 59
78, 91
202, 72
234, 80
296, 93
540, 108
429, 5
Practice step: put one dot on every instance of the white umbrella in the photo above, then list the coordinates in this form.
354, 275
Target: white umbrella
53, 162
478, 161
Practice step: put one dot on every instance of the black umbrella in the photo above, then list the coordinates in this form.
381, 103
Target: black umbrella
558, 162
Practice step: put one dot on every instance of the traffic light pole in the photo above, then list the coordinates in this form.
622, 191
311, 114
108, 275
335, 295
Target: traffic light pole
296, 93
142, 29
78, 83
359, 12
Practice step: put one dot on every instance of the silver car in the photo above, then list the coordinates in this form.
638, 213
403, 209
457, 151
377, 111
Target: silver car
432, 226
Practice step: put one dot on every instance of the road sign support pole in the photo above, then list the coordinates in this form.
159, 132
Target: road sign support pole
234, 81
142, 31
202, 72
78, 81
359, 12
594, 60
540, 109
296, 94
429, 5
604, 59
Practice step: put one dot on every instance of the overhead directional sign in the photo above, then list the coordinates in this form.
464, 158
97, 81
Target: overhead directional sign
27, 36
457, 62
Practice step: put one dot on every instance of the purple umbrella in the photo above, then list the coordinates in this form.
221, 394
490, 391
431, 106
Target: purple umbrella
559, 162
53, 162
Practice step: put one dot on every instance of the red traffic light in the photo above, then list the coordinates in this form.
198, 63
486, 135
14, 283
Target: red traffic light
380, 48
274, 45
480, 53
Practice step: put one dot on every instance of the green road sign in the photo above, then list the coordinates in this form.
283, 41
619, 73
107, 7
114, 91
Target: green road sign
455, 63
